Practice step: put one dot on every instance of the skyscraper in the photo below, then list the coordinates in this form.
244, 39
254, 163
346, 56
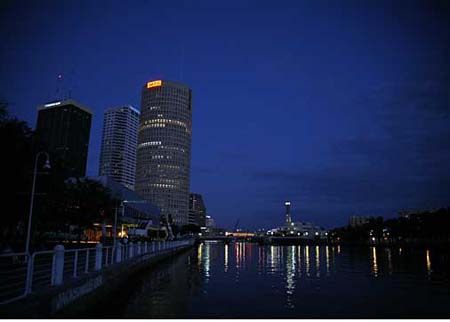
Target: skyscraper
119, 143
197, 210
164, 147
63, 130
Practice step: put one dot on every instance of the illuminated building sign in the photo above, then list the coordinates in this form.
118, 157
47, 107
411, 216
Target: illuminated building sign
52, 104
156, 83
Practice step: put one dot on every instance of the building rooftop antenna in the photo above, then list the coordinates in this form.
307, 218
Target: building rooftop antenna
70, 85
181, 62
59, 78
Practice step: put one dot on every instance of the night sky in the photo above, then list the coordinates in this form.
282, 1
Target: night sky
341, 107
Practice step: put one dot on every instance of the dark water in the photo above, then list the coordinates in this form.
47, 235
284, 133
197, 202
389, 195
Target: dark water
245, 280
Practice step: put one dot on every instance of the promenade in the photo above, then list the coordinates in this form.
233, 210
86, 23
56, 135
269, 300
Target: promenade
46, 282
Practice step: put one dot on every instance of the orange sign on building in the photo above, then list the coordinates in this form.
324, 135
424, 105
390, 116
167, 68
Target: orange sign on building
156, 83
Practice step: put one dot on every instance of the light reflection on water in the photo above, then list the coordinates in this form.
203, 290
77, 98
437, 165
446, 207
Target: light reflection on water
290, 276
207, 260
317, 261
327, 258
374, 262
226, 257
307, 260
247, 280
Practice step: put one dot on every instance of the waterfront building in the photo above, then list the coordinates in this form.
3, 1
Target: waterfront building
119, 144
303, 230
164, 148
209, 222
417, 212
357, 221
197, 210
63, 130
135, 216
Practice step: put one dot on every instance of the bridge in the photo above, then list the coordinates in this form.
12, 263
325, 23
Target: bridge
239, 236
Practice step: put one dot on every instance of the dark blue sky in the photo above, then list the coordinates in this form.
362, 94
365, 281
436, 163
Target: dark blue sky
341, 107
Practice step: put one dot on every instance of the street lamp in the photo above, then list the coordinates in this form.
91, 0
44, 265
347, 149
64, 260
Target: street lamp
115, 220
122, 204
46, 166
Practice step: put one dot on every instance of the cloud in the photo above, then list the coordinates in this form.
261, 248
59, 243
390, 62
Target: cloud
402, 162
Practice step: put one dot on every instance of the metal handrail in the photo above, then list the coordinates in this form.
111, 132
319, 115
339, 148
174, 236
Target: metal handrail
54, 267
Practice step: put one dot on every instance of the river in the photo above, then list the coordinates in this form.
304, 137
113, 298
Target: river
244, 280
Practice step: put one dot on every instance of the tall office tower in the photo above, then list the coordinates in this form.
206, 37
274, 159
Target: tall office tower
197, 210
164, 148
63, 130
288, 213
119, 143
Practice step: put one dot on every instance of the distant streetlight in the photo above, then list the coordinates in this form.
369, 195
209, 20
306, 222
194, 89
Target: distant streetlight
115, 225
115, 220
122, 204
30, 216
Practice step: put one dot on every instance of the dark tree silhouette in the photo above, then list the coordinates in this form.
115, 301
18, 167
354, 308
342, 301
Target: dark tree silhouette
81, 202
16, 169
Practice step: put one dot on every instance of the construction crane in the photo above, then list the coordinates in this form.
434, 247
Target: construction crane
236, 226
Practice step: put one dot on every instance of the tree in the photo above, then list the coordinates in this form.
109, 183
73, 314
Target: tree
190, 228
16, 174
81, 203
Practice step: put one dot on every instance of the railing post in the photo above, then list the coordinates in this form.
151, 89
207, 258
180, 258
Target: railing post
58, 265
98, 257
86, 267
145, 247
118, 253
131, 250
75, 264
106, 256
138, 248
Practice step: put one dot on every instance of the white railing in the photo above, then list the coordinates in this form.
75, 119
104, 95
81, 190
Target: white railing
22, 274
13, 276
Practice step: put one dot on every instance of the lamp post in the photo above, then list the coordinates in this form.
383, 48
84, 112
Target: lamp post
115, 220
30, 216
115, 223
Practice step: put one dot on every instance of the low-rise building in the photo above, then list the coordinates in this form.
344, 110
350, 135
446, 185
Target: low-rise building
197, 210
357, 221
304, 230
136, 217
416, 212
209, 222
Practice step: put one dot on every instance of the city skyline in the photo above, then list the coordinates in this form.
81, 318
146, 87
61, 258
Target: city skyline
338, 119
